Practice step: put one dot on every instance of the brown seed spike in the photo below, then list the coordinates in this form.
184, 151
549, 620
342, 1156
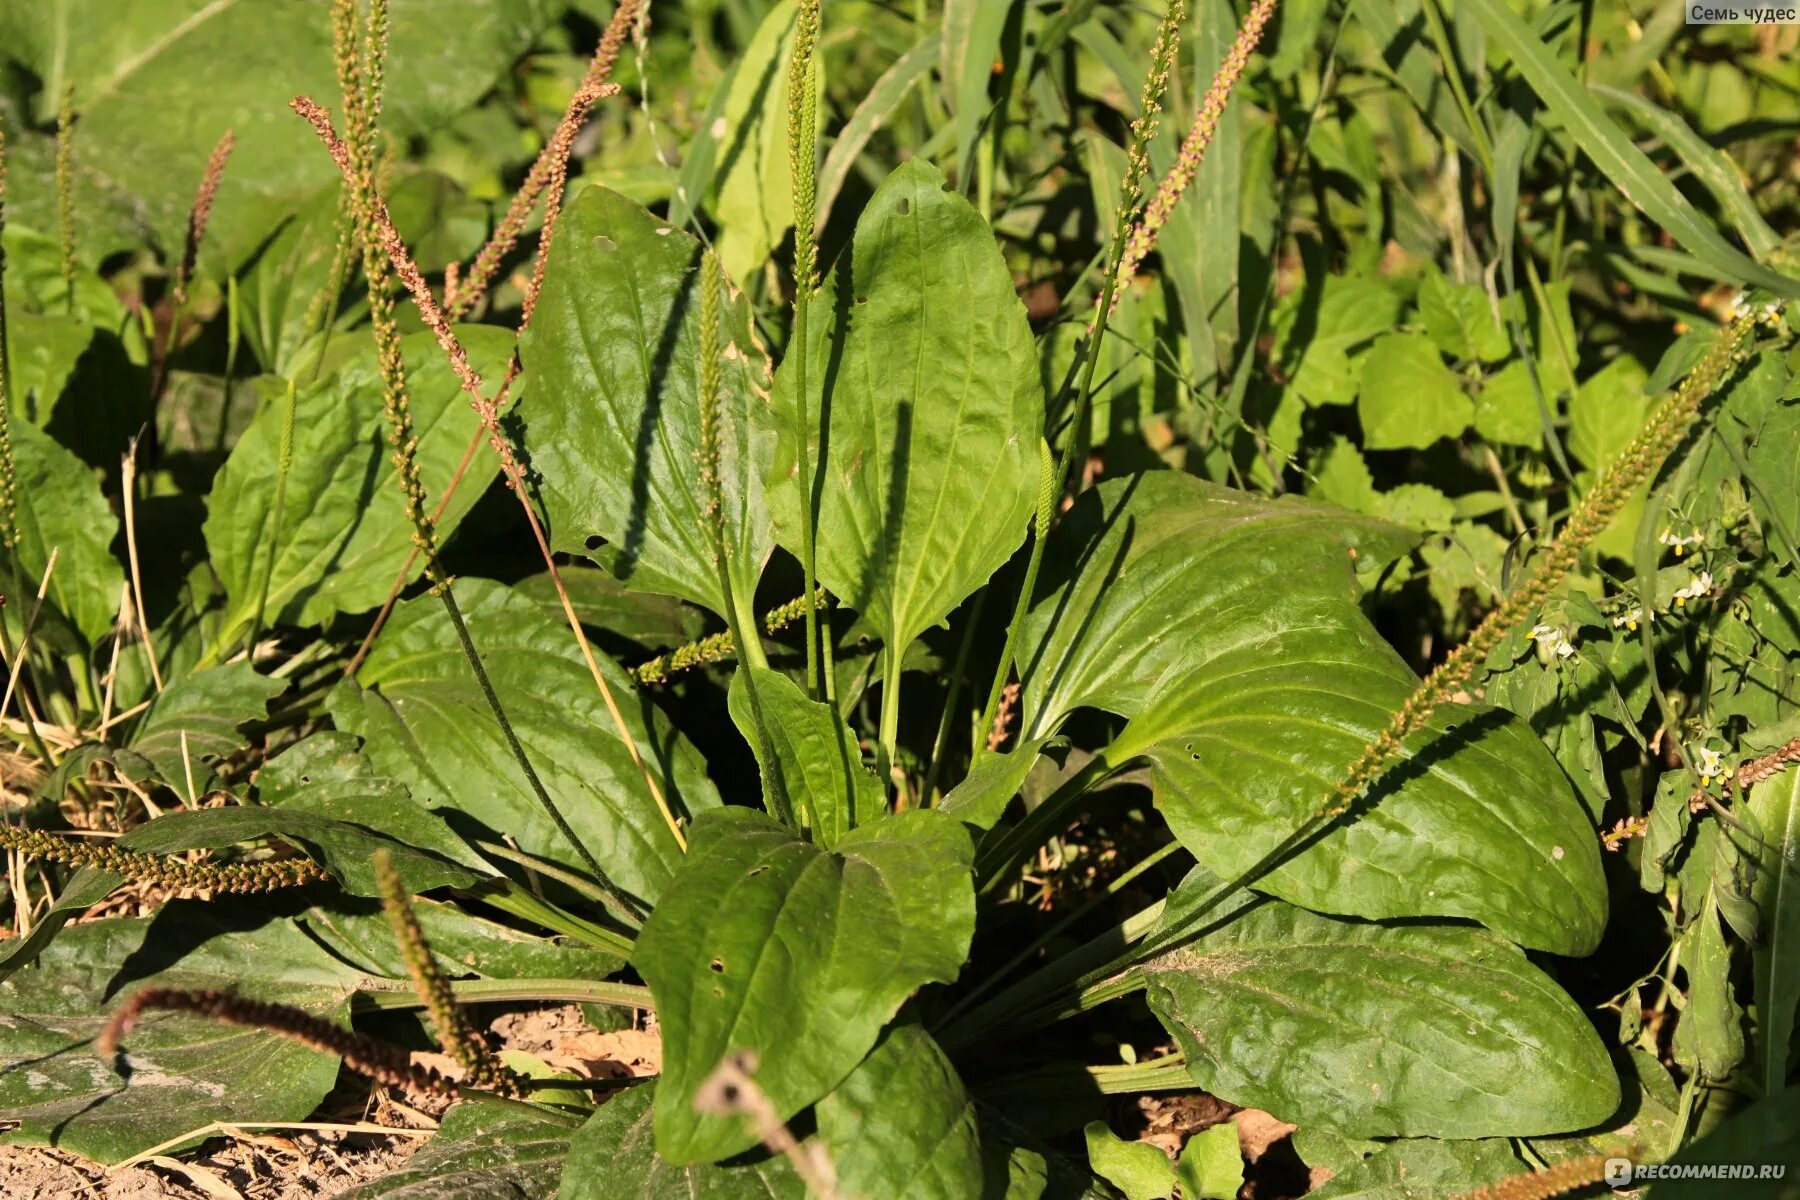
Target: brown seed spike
201, 213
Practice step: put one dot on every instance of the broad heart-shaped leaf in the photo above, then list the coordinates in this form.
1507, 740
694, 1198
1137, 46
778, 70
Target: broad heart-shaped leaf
901, 1125
613, 416
425, 723
1408, 397
800, 955
344, 534
153, 101
1144, 570
923, 407
186, 1072
1380, 1031
195, 722
613, 1157
814, 753
1226, 627
60, 507
480, 1152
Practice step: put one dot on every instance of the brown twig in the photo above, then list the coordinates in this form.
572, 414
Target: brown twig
732, 1090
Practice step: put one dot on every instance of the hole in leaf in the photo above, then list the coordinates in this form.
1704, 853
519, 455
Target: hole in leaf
862, 299
904, 208
718, 965
595, 541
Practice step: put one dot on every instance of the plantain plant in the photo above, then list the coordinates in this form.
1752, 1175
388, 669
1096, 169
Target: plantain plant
1336, 654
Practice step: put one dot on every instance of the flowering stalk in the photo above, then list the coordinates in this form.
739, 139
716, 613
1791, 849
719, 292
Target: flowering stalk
1162, 60
717, 647
65, 192
546, 176
9, 480
479, 1064
380, 1061
803, 102
487, 409
713, 514
161, 869
198, 216
1543, 1185
1199, 137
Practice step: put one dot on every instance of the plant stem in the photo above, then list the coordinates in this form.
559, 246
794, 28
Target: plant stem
283, 464
616, 900
371, 998
890, 719
995, 862
802, 153
940, 745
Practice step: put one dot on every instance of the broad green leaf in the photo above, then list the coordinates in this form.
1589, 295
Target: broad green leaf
1408, 398
186, 1072
479, 1152
638, 623
1211, 1166
1622, 163
426, 724
1425, 1169
196, 721
1710, 1032
612, 407
900, 1126
806, 744
1140, 572
980, 800
1324, 323
1460, 319
613, 1157
1138, 1169
1225, 626
1380, 1031
769, 944
153, 100
755, 203
1606, 411
1765, 1135
924, 406
59, 507
344, 533
1775, 805
1506, 409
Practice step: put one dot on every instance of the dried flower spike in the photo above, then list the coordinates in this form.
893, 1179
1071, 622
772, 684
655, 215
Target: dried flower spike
9, 513
201, 213
65, 190
163, 869
480, 1066
380, 1061
1543, 1185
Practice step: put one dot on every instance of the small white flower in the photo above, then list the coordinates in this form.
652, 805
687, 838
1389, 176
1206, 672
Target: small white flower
1710, 767
1702, 584
1680, 542
1629, 620
1551, 639
1737, 306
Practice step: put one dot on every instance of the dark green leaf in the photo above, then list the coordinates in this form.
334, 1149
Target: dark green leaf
613, 410
480, 1152
344, 531
806, 743
1765, 1135
922, 354
1225, 626
1381, 1031
613, 1157
901, 1127
1138, 1169
196, 722
769, 944
185, 1072
59, 507
1775, 804
425, 723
